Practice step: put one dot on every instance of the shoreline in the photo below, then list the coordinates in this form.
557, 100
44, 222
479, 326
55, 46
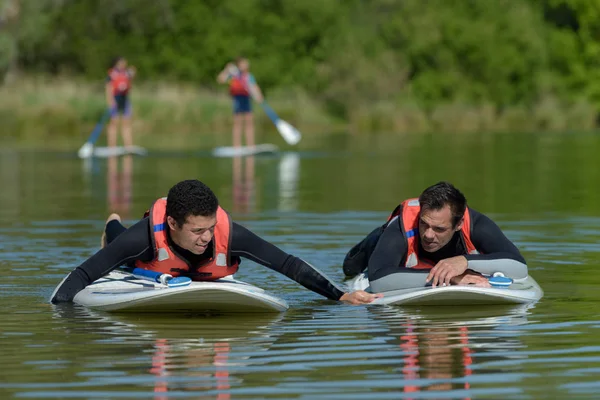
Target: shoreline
55, 112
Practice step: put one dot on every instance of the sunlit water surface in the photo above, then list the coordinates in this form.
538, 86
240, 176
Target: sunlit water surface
542, 190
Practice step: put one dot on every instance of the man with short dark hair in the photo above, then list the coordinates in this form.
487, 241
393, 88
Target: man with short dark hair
435, 238
189, 234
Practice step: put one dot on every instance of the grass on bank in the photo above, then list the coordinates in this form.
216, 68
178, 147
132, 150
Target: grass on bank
59, 112
56, 112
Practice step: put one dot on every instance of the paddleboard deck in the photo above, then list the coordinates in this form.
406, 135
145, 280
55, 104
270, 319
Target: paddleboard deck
230, 151
122, 292
520, 292
119, 151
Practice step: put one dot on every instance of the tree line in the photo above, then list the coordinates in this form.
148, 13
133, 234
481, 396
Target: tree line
348, 54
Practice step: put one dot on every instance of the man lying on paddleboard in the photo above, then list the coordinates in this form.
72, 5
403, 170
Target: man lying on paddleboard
189, 234
434, 239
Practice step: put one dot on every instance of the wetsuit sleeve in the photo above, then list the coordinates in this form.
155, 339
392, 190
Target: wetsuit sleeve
498, 253
389, 253
131, 245
248, 245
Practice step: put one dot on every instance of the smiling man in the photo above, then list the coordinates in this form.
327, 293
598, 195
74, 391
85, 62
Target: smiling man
189, 234
435, 239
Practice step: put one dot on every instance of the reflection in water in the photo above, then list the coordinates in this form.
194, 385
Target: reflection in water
289, 167
119, 191
243, 187
188, 355
437, 354
212, 355
439, 347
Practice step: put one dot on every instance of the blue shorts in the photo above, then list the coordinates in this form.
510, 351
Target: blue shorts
241, 104
122, 106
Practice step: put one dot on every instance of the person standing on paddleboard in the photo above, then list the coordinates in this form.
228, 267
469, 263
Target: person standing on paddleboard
242, 89
434, 239
118, 85
189, 234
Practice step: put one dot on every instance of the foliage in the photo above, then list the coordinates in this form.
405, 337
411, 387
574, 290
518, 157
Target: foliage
355, 57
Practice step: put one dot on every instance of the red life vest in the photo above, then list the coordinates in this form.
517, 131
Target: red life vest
120, 81
410, 225
238, 85
169, 262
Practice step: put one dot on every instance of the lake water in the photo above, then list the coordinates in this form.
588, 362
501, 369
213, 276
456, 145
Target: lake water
543, 191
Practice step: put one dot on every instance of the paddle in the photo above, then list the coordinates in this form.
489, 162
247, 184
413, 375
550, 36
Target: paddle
290, 134
88, 147
158, 277
287, 131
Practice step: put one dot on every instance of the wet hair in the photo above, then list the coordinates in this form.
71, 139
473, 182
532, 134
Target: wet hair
190, 197
441, 194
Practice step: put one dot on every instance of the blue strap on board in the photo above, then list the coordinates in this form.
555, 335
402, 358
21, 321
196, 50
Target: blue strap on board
154, 276
146, 274
500, 282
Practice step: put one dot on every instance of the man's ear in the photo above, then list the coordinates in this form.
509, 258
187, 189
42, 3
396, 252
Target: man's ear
172, 223
459, 225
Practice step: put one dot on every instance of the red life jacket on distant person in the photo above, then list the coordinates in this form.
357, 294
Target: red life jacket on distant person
167, 261
238, 85
120, 81
410, 226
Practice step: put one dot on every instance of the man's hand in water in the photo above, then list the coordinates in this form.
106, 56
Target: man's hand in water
471, 278
360, 297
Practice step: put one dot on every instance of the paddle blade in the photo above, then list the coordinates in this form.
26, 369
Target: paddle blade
86, 150
288, 132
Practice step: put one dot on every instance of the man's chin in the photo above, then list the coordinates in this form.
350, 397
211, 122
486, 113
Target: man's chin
430, 249
199, 250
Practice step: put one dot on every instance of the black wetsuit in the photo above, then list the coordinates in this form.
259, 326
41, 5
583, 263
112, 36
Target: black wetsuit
384, 252
128, 245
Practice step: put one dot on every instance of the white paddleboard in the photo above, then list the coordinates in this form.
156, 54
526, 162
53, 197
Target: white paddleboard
231, 151
119, 151
122, 292
519, 292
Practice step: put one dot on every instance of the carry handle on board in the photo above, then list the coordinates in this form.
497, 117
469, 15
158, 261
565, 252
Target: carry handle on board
499, 281
158, 277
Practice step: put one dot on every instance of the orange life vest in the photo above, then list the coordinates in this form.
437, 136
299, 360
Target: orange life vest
410, 225
169, 262
120, 81
238, 85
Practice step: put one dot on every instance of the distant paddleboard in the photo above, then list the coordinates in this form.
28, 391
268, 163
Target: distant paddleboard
123, 292
231, 151
518, 292
103, 152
